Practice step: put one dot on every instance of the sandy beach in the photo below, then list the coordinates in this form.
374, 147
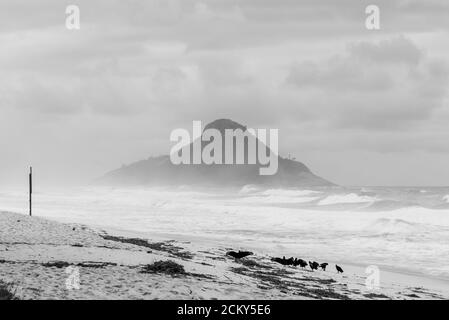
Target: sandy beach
37, 256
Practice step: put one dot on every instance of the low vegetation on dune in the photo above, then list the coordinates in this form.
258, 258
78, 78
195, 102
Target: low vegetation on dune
159, 246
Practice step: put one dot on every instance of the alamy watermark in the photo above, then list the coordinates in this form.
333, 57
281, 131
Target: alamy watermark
372, 281
372, 21
73, 279
72, 20
207, 147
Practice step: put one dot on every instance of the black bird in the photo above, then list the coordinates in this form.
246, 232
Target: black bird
295, 262
285, 262
239, 255
278, 260
323, 266
339, 269
302, 263
313, 265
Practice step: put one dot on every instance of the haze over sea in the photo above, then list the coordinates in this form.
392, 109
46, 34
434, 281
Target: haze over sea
400, 229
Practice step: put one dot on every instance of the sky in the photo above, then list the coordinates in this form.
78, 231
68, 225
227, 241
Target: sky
357, 106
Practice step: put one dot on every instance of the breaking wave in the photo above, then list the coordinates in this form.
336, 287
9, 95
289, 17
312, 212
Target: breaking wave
386, 226
249, 188
279, 195
388, 205
345, 199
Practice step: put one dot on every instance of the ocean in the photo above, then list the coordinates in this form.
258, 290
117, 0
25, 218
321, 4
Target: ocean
397, 229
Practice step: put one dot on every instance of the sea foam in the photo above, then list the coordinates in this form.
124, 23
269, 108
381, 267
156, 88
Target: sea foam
345, 198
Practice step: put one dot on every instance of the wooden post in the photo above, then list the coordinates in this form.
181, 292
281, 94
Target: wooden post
31, 185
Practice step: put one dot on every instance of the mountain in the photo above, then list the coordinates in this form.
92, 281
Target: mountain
161, 171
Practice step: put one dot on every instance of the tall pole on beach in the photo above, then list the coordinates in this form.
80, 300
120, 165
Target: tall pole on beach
31, 185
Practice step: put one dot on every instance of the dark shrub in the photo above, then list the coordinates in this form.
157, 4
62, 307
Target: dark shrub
7, 292
166, 267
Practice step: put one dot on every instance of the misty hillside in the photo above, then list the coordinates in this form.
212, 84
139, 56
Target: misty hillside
161, 171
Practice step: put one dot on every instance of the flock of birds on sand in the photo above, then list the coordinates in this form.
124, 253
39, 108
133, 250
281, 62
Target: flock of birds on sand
287, 262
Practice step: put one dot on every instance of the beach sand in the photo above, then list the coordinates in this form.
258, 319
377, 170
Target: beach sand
37, 257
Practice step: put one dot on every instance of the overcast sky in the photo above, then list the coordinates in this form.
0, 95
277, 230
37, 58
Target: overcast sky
358, 106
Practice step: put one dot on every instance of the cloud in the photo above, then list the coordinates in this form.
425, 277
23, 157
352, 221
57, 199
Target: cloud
339, 73
391, 51
385, 85
138, 68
